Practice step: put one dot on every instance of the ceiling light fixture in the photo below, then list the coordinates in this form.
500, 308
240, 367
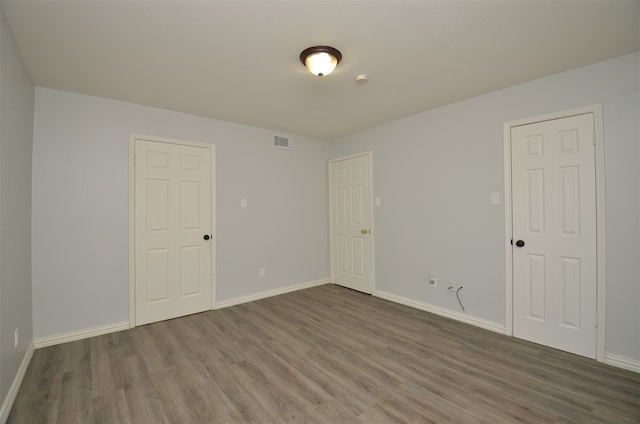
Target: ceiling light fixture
320, 60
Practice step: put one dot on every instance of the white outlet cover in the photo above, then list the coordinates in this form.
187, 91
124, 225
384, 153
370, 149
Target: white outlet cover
378, 201
495, 198
243, 203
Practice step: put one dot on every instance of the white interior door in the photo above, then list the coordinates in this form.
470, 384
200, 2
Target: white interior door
351, 239
173, 230
554, 233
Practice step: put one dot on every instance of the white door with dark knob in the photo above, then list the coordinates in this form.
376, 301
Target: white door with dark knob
554, 233
174, 243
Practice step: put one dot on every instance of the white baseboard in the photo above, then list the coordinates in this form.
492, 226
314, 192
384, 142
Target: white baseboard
124, 325
15, 386
609, 358
81, 334
622, 362
269, 293
478, 322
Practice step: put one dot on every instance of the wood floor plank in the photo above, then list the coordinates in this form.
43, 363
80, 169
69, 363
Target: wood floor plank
345, 391
321, 355
144, 405
111, 408
285, 376
75, 394
333, 412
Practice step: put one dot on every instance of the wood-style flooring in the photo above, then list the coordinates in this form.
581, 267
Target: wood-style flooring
321, 355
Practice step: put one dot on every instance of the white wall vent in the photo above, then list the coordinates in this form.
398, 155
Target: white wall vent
281, 142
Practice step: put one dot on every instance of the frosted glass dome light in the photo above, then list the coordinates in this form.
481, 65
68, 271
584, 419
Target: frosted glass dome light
320, 60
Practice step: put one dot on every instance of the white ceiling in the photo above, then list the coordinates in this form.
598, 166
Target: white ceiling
239, 60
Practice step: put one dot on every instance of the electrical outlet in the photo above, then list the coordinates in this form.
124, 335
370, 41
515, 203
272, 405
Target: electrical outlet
433, 281
16, 337
262, 272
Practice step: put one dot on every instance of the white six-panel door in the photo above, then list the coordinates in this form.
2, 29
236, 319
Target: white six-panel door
350, 208
554, 233
173, 230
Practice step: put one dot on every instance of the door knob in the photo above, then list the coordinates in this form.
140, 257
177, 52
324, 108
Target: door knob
206, 237
365, 231
520, 243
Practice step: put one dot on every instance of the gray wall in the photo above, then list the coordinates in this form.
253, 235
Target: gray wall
80, 207
434, 173
16, 133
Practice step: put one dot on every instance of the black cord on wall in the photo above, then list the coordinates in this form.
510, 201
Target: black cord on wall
458, 296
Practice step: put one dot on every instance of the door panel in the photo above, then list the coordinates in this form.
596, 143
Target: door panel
157, 282
554, 214
351, 244
173, 262
536, 287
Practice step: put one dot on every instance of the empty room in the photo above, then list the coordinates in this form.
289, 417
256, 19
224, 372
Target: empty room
319, 211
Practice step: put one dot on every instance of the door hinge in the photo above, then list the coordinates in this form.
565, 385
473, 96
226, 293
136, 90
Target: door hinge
134, 160
596, 320
594, 138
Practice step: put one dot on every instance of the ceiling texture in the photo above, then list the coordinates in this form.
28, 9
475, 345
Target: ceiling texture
239, 60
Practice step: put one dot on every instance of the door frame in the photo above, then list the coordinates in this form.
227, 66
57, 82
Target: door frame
132, 242
372, 232
601, 261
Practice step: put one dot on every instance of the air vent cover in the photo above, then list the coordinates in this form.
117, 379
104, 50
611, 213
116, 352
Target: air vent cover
281, 142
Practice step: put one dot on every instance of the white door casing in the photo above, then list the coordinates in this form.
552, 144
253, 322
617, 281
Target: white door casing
554, 227
173, 228
351, 222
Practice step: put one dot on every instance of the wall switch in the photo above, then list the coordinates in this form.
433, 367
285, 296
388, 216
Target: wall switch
495, 198
243, 203
433, 281
378, 201
16, 338
262, 272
